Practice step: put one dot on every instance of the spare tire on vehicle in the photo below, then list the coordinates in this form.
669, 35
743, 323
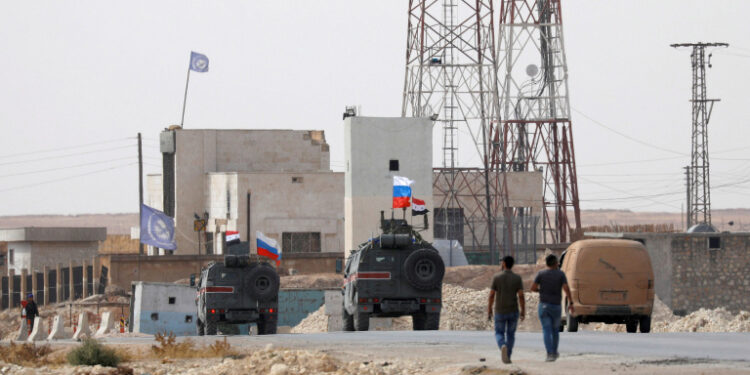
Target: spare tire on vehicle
263, 282
424, 269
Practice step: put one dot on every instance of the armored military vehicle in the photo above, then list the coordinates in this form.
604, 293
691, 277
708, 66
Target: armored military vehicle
395, 274
237, 291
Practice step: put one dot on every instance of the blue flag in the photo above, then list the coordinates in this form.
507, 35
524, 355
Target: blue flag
157, 229
198, 62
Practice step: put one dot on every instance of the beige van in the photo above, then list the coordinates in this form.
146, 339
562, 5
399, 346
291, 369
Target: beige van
611, 281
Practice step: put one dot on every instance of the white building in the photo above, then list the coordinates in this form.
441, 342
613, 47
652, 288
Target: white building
33, 248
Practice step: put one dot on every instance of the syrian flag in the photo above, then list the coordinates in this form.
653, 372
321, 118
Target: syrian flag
268, 247
401, 191
417, 207
233, 236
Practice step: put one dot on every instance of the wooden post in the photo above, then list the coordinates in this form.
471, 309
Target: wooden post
96, 274
58, 284
46, 285
84, 279
11, 286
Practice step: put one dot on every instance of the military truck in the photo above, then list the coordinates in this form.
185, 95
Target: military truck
237, 291
395, 274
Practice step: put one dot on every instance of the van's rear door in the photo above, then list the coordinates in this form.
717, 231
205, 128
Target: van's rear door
612, 275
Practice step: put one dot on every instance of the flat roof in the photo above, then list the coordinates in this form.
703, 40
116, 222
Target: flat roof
54, 234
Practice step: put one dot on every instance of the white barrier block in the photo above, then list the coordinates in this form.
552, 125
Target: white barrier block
283, 329
37, 333
58, 329
335, 323
83, 327
23, 331
106, 326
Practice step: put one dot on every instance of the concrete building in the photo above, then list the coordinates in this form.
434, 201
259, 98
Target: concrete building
33, 248
697, 270
275, 181
163, 307
376, 149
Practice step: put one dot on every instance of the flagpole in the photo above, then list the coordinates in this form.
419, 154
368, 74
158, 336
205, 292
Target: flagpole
140, 192
184, 100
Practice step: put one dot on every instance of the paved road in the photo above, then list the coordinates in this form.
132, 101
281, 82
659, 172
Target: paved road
714, 346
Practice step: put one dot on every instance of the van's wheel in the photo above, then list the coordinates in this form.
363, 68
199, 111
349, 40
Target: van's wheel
424, 269
201, 329
631, 326
210, 328
348, 320
645, 323
572, 323
432, 321
361, 321
418, 320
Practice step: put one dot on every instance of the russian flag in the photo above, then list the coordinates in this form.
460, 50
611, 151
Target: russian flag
401, 191
268, 247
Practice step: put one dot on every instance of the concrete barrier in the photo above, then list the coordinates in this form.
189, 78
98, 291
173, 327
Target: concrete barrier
106, 324
381, 324
334, 307
58, 329
23, 331
38, 332
83, 330
283, 329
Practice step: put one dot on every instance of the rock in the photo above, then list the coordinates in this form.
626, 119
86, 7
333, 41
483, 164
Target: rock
279, 369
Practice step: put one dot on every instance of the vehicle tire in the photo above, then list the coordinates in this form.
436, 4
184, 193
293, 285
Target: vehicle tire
418, 321
266, 325
210, 328
424, 269
361, 321
572, 323
631, 326
432, 321
201, 329
348, 320
263, 282
645, 323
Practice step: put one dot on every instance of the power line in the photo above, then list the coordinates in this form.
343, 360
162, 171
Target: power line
630, 162
65, 156
67, 178
64, 148
63, 168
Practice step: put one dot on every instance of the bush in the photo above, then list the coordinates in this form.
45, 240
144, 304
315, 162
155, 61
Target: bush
26, 354
92, 353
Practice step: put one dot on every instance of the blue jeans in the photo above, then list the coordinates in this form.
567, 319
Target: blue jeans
505, 330
549, 316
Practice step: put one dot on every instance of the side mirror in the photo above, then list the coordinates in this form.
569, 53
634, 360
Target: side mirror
192, 279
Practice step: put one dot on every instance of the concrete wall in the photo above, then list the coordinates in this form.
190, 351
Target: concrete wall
370, 143
153, 313
199, 152
154, 192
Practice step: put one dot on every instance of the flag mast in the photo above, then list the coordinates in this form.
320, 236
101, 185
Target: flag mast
199, 63
184, 100
140, 195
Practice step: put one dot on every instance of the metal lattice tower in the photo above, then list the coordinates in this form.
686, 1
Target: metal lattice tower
535, 132
451, 77
699, 187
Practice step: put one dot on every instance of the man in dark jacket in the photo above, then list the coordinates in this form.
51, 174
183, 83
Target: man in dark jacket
31, 310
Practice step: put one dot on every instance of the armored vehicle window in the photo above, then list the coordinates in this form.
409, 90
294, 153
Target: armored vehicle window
384, 259
227, 276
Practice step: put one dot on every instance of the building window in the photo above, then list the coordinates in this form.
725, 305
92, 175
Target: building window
297, 180
171, 300
393, 165
714, 243
154, 316
188, 318
10, 256
300, 242
449, 224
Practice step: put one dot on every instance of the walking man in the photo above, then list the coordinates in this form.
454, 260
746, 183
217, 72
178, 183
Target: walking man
31, 310
506, 293
548, 283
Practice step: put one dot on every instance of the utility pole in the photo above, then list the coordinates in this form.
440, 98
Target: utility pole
699, 187
140, 189
688, 221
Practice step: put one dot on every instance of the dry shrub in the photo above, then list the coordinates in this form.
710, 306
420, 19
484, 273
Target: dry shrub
168, 347
26, 354
91, 353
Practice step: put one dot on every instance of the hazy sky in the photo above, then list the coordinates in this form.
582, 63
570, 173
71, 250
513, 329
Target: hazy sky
79, 79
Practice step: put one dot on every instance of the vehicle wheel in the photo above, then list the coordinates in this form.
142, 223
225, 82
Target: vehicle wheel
263, 282
348, 320
210, 328
201, 329
432, 321
361, 321
572, 323
424, 269
645, 323
418, 321
266, 325
631, 326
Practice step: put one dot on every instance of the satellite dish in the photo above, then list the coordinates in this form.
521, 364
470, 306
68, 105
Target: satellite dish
532, 70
